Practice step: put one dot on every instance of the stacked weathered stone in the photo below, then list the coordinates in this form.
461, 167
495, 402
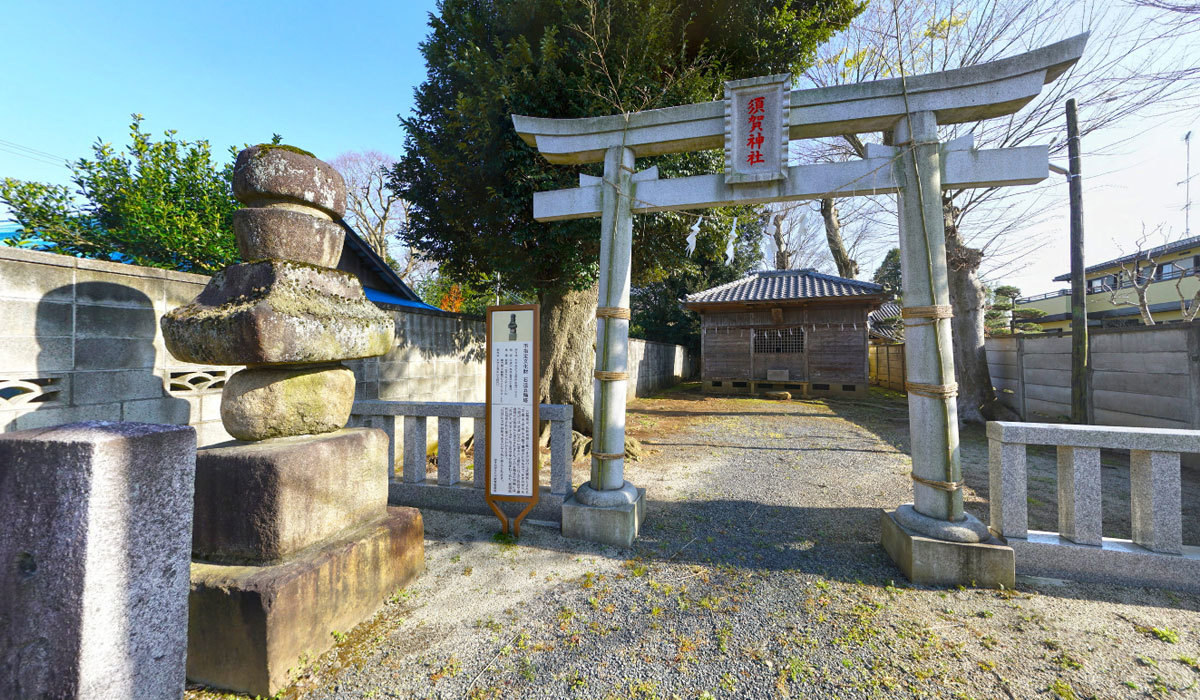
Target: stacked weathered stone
292, 537
287, 314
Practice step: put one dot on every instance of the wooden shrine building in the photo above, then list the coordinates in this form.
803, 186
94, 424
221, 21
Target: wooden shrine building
785, 330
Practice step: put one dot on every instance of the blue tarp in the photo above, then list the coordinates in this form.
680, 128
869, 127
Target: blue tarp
381, 297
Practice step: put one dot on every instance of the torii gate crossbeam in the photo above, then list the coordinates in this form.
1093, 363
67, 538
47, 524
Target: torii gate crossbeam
917, 169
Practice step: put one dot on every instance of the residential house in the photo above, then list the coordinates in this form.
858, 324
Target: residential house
1175, 274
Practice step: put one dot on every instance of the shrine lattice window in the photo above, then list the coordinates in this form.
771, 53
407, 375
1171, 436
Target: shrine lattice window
778, 341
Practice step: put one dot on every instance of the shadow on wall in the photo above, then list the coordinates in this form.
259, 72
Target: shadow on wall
438, 335
95, 361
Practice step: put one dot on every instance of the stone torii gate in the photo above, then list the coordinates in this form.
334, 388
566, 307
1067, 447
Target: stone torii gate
754, 123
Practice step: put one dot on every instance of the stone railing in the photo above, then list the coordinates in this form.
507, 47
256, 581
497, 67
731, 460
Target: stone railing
1156, 556
448, 491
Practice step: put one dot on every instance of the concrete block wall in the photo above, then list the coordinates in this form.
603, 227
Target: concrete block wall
81, 341
654, 366
1145, 376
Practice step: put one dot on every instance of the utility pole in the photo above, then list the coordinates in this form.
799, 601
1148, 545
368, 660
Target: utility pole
1081, 371
1187, 187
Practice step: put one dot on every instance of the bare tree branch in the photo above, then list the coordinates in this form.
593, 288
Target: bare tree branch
375, 212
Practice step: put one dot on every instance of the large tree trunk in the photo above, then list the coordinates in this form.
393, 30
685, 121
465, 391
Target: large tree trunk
783, 255
977, 401
846, 266
569, 351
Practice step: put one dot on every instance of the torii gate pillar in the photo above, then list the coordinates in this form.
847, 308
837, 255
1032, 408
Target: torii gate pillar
609, 509
932, 540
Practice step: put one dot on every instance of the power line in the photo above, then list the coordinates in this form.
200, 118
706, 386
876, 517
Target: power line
30, 149
16, 149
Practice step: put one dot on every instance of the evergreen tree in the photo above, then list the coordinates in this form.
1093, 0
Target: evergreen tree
471, 179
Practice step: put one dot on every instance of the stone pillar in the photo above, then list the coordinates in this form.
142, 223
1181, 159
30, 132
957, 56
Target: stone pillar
1079, 494
293, 537
608, 508
95, 546
1155, 500
932, 539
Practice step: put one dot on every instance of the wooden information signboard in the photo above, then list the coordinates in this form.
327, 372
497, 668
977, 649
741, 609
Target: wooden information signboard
514, 357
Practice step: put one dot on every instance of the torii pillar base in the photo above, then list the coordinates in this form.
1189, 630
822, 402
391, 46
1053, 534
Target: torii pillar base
938, 562
608, 517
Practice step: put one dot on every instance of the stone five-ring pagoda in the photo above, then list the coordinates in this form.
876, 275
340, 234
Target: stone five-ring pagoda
931, 539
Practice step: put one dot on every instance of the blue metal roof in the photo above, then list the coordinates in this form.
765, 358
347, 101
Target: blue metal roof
381, 297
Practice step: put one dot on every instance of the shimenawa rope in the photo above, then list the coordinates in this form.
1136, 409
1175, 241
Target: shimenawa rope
617, 312
610, 376
933, 391
947, 486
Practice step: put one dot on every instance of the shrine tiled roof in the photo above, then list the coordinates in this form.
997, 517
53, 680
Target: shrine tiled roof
784, 285
883, 323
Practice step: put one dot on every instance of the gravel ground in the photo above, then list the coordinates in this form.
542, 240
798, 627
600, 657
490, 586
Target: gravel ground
758, 575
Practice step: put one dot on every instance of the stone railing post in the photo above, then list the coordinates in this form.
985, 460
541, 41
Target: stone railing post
1007, 486
560, 456
479, 457
414, 448
1079, 494
449, 465
1155, 500
96, 547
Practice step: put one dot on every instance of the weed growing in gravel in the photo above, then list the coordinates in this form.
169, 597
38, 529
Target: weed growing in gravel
1165, 634
1066, 662
484, 693
635, 567
1062, 689
723, 633
1189, 661
450, 669
729, 683
402, 596
1145, 661
338, 637
527, 670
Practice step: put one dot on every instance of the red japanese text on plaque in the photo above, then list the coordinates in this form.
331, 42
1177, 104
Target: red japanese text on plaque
756, 129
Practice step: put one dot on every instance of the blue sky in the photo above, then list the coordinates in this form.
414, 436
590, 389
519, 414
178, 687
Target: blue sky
331, 77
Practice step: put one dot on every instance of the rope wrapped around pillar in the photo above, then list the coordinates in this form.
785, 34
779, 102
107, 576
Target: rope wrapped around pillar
934, 313
947, 486
616, 312
610, 376
933, 391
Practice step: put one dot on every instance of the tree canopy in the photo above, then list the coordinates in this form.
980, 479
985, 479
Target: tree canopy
471, 179
158, 203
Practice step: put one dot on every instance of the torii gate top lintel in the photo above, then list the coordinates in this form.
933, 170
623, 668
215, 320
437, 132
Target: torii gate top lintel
973, 93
